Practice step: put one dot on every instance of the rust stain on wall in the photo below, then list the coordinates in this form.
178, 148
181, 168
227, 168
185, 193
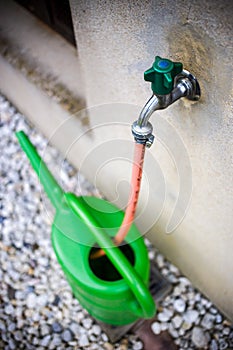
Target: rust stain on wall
194, 50
208, 62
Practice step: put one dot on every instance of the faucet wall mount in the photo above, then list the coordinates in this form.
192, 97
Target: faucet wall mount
169, 82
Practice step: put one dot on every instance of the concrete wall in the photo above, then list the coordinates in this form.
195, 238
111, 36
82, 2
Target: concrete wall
189, 167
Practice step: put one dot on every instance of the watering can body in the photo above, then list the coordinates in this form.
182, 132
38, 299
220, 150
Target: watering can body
79, 224
112, 302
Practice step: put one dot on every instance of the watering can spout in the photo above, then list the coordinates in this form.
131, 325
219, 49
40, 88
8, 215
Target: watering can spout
53, 190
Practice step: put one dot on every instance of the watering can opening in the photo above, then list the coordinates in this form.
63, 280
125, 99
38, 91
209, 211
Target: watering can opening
104, 269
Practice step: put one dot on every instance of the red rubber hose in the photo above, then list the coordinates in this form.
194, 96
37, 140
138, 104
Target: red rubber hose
139, 152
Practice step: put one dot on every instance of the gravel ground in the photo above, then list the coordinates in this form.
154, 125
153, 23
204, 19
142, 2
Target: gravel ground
37, 309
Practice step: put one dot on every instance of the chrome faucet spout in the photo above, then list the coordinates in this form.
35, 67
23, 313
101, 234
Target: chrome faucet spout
152, 105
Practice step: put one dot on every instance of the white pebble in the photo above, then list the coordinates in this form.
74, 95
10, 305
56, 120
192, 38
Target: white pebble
197, 297
83, 340
87, 323
160, 260
208, 321
165, 315
75, 328
12, 344
45, 341
223, 344
174, 269
4, 105
226, 331
67, 336
44, 330
178, 290
156, 327
182, 332
164, 326
177, 321
186, 326
213, 345
190, 316
104, 337
19, 295
2, 326
42, 300
11, 327
18, 335
199, 338
9, 310
31, 300
137, 346
96, 330
173, 332
56, 341
179, 305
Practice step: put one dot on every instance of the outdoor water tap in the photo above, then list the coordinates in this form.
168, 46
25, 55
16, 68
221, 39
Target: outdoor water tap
169, 82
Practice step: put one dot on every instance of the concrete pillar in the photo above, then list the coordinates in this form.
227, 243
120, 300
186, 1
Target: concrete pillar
187, 187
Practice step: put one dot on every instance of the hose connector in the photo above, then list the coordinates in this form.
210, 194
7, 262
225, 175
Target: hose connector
143, 134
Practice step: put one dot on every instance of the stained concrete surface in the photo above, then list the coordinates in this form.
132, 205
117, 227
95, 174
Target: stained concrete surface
117, 41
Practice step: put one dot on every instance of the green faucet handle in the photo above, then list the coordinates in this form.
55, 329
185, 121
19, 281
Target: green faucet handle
162, 75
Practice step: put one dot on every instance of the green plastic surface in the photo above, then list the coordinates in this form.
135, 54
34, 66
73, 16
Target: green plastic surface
80, 223
162, 74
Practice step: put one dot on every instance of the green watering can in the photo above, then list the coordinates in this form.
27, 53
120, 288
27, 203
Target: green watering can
113, 288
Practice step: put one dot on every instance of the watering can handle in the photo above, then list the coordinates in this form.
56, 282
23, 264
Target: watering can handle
146, 306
